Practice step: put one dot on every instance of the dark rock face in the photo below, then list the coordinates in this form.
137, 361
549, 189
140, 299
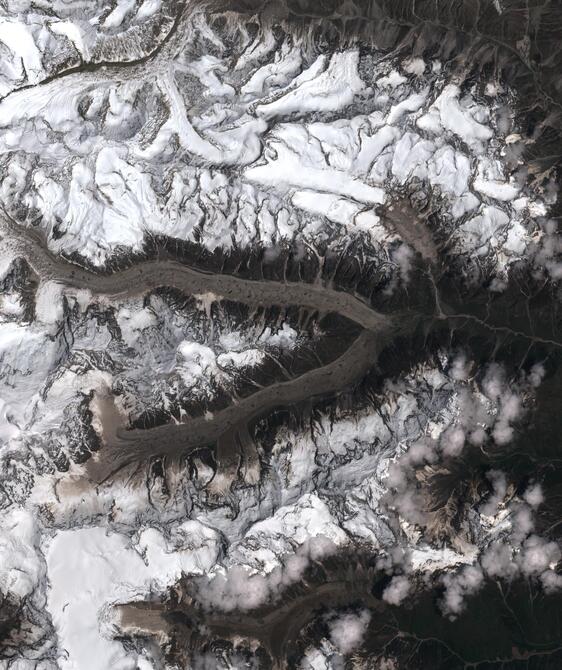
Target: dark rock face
280, 336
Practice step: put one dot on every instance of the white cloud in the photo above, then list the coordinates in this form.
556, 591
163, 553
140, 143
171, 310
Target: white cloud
497, 561
534, 495
397, 591
538, 555
458, 586
348, 630
236, 588
452, 441
499, 489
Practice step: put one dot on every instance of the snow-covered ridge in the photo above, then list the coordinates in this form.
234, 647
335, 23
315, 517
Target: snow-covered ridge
41, 40
191, 353
298, 177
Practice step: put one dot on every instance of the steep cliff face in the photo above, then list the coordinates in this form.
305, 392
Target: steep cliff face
279, 335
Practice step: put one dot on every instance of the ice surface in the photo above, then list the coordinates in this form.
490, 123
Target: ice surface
411, 127
448, 112
322, 88
90, 569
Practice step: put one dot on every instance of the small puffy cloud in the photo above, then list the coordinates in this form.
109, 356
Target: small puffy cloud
551, 581
452, 441
397, 591
458, 586
499, 489
502, 433
410, 506
536, 375
285, 338
493, 383
510, 410
237, 589
497, 561
534, 496
460, 368
510, 407
477, 437
522, 522
396, 477
316, 659
348, 630
421, 452
538, 555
